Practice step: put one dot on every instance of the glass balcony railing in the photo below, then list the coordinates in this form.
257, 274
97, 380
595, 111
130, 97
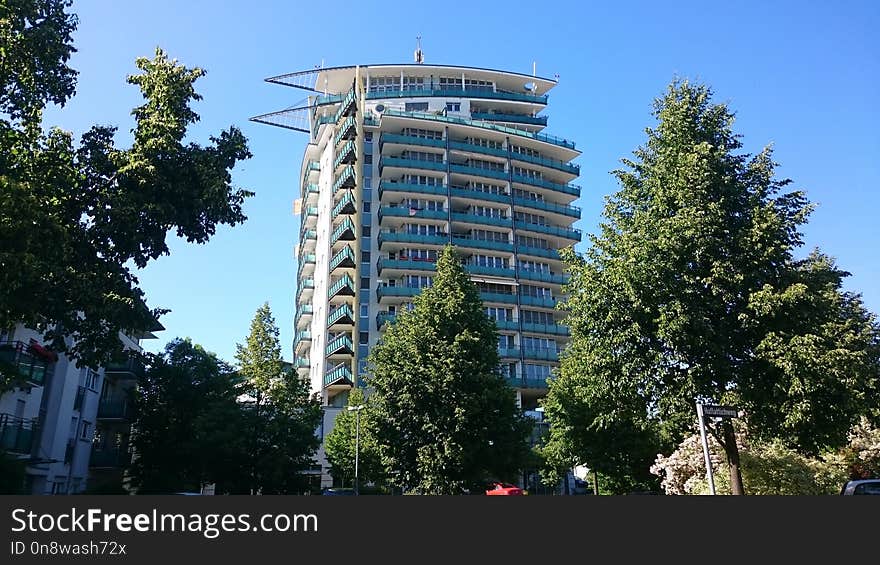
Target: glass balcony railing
402, 237
339, 375
344, 231
345, 258
478, 219
563, 209
341, 344
109, 458
566, 233
540, 354
346, 130
407, 163
498, 297
465, 169
310, 234
343, 286
346, 179
346, 205
537, 251
383, 291
460, 93
490, 271
27, 360
383, 318
410, 140
346, 154
541, 302
406, 264
505, 246
302, 363
554, 329
463, 192
464, 145
387, 186
510, 118
484, 125
341, 315
543, 277
311, 188
407, 212
527, 382
509, 352
302, 336
17, 435
509, 325
114, 407
572, 189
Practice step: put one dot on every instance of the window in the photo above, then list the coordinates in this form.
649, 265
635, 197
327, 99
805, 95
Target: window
534, 266
413, 83
533, 317
366, 231
536, 291
365, 256
422, 179
426, 133
527, 195
539, 343
366, 207
505, 341
489, 143
536, 371
532, 242
365, 310
527, 218
384, 84
490, 261
423, 156
368, 136
453, 106
416, 107
363, 338
487, 211
365, 282
418, 281
85, 431
499, 313
489, 235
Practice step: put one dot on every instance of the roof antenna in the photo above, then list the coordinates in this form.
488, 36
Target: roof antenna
534, 68
419, 56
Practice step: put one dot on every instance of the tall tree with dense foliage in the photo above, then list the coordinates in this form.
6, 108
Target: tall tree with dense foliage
691, 291
354, 435
445, 419
187, 429
281, 416
77, 217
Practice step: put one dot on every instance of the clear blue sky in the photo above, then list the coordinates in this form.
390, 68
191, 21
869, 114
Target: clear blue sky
804, 76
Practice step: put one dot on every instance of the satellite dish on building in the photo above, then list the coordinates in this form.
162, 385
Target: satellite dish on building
530, 86
379, 108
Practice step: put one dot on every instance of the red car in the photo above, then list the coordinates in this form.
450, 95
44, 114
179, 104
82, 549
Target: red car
504, 489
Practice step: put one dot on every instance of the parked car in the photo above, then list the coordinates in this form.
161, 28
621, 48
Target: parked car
338, 491
504, 489
863, 486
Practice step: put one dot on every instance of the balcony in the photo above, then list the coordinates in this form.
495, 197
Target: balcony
407, 212
115, 407
109, 458
344, 259
509, 325
510, 118
17, 435
341, 345
565, 233
406, 163
302, 336
342, 315
396, 291
460, 93
572, 189
558, 141
466, 169
346, 154
540, 301
344, 286
402, 237
311, 188
406, 265
508, 352
527, 382
490, 271
346, 179
553, 329
343, 232
399, 139
468, 242
383, 318
537, 252
498, 297
464, 192
346, 205
540, 354
27, 360
338, 375
301, 363
388, 186
543, 276
468, 218
347, 130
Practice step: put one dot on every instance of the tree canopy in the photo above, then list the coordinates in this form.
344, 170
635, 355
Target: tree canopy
445, 419
76, 218
354, 434
691, 290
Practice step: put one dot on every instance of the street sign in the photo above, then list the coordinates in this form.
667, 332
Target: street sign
720, 411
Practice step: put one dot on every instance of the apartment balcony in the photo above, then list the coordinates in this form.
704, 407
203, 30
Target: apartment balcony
346, 154
346, 205
348, 105
482, 172
338, 375
407, 163
551, 139
467, 218
109, 459
538, 252
396, 292
17, 435
409, 140
540, 354
345, 231
508, 325
401, 188
417, 238
341, 345
510, 118
30, 361
478, 93
552, 329
306, 288
408, 212
523, 382
406, 265
467, 242
344, 286
478, 195
509, 352
497, 298
508, 273
383, 318
571, 189
347, 130
343, 315
572, 234
302, 336
311, 189
542, 276
539, 301
555, 164
346, 179
301, 362
306, 266
115, 407
343, 259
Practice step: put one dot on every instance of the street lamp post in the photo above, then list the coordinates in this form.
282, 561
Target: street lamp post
357, 441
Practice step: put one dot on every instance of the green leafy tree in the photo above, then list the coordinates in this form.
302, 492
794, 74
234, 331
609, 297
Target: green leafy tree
280, 413
690, 291
77, 218
345, 438
445, 419
187, 430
